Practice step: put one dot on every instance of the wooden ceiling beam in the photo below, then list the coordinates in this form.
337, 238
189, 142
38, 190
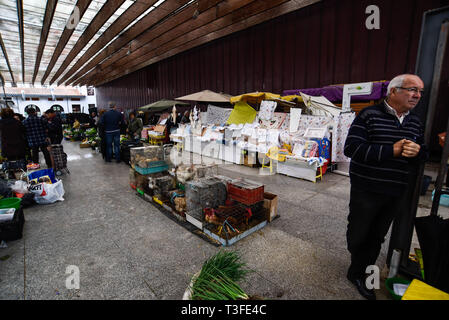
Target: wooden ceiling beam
19, 4
106, 11
142, 25
267, 15
5, 54
173, 28
198, 36
48, 18
132, 13
82, 6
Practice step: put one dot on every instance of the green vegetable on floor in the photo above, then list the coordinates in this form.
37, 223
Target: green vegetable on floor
218, 278
217, 286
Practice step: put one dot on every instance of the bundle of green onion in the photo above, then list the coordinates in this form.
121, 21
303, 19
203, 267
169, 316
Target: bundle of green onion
218, 278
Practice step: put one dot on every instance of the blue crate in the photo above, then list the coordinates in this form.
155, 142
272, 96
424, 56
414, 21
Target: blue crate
444, 199
144, 171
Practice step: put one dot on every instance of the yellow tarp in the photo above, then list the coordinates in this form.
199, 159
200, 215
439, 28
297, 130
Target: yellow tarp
419, 290
242, 113
255, 97
291, 98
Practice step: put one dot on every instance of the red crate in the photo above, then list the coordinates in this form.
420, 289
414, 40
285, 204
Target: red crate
246, 196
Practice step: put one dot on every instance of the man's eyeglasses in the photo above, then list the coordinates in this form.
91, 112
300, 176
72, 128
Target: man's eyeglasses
412, 89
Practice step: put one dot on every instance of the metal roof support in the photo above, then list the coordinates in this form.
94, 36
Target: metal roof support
132, 13
81, 7
5, 54
97, 22
19, 4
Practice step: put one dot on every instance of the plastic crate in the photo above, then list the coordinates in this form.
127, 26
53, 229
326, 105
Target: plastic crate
246, 192
152, 169
12, 230
8, 203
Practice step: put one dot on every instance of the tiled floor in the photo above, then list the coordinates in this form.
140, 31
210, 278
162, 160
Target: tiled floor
125, 248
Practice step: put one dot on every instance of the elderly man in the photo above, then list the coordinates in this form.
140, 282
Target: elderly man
384, 142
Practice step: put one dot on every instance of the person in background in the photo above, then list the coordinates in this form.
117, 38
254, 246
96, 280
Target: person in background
54, 127
135, 127
36, 133
153, 119
186, 117
385, 144
101, 134
19, 117
93, 120
112, 121
14, 145
76, 124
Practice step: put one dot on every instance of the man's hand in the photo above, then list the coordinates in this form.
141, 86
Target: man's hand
398, 148
410, 149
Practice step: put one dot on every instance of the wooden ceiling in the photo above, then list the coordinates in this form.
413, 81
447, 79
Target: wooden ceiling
88, 42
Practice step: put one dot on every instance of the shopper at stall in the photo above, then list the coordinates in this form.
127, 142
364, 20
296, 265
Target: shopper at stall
101, 134
36, 133
12, 136
54, 127
384, 142
135, 127
93, 120
112, 120
186, 117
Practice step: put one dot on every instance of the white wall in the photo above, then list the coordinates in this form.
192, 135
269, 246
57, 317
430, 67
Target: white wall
44, 104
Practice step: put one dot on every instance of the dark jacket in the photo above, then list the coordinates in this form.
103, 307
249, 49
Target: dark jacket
13, 139
369, 144
135, 126
111, 121
55, 130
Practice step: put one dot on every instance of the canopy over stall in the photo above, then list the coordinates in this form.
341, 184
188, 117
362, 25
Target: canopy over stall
206, 96
162, 105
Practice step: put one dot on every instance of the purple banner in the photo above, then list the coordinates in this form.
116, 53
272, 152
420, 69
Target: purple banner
335, 93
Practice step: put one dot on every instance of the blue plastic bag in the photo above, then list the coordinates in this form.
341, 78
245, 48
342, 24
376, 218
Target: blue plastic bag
41, 173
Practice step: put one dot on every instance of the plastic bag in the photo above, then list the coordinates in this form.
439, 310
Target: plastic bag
19, 186
48, 193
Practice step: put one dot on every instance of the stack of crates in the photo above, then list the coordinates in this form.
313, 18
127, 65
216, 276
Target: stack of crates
247, 193
147, 160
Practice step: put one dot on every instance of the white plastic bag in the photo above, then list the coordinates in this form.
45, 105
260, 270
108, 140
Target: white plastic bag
48, 193
19, 186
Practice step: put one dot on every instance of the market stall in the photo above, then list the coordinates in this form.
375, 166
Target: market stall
158, 133
224, 209
250, 135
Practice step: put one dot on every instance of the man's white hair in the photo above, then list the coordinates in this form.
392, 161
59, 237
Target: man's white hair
395, 82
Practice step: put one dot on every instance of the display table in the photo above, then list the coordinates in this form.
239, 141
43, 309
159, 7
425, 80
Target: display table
298, 168
214, 149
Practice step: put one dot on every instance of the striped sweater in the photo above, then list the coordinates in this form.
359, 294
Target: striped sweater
369, 144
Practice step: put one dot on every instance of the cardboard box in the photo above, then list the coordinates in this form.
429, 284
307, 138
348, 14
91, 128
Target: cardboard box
159, 128
270, 202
